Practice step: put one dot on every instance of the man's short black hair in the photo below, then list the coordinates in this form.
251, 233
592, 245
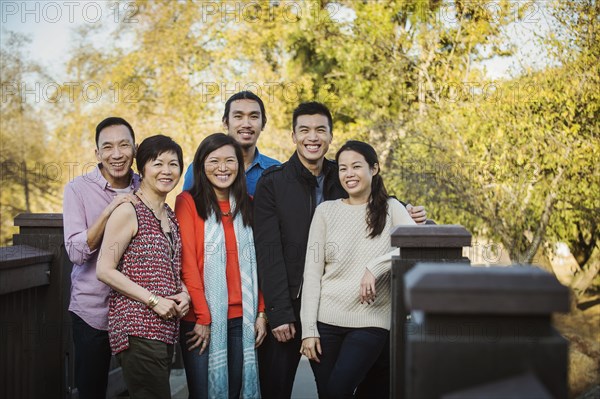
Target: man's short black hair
113, 121
244, 95
312, 108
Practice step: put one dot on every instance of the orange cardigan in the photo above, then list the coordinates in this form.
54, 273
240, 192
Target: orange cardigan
192, 262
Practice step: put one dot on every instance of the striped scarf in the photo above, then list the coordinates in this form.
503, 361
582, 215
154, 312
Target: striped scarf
215, 287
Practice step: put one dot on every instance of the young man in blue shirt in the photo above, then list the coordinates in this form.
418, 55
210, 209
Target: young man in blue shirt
244, 118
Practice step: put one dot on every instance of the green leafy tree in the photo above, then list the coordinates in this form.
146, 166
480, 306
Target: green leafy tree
519, 166
404, 75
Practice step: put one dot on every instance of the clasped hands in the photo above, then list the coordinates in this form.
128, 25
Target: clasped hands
173, 305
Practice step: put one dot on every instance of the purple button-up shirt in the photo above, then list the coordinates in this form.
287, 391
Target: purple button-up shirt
84, 200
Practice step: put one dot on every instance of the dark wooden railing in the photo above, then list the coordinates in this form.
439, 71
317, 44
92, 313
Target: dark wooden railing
36, 359
33, 310
471, 332
457, 331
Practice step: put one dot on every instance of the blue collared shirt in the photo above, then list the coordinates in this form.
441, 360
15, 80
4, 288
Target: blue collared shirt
253, 173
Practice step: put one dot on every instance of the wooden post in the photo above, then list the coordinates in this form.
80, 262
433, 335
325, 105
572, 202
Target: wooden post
35, 323
440, 243
484, 332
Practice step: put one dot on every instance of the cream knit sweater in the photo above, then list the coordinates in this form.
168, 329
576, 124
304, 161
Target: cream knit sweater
338, 252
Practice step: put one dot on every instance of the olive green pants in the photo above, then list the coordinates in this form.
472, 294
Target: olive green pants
147, 368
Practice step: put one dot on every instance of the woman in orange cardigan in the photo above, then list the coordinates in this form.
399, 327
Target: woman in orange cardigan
226, 322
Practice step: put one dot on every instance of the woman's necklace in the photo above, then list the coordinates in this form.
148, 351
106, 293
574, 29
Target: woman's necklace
147, 202
155, 210
228, 213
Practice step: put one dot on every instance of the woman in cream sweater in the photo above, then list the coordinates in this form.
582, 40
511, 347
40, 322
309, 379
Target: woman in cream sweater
346, 307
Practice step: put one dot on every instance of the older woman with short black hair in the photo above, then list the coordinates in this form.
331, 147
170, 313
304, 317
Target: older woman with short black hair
140, 259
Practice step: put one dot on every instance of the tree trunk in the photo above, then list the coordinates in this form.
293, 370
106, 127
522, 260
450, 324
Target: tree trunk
25, 182
584, 278
549, 202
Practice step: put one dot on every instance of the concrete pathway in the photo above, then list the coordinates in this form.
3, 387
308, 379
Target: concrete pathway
304, 385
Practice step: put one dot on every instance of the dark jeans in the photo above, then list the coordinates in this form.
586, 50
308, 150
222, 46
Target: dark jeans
348, 355
278, 362
376, 384
196, 366
92, 359
146, 368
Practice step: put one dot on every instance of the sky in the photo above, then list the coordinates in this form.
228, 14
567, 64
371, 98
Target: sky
50, 26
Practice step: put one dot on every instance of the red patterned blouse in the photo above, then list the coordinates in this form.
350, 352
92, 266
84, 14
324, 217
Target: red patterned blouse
153, 261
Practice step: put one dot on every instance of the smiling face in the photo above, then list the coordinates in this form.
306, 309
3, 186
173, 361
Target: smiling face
115, 152
312, 136
162, 174
221, 167
244, 122
356, 175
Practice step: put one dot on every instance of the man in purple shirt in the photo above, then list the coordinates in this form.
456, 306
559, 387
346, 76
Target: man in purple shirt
87, 204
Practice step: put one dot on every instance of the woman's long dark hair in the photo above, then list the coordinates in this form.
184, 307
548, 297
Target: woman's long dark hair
203, 191
377, 207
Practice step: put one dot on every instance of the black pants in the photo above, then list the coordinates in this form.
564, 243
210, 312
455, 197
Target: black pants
278, 362
348, 356
376, 384
92, 359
